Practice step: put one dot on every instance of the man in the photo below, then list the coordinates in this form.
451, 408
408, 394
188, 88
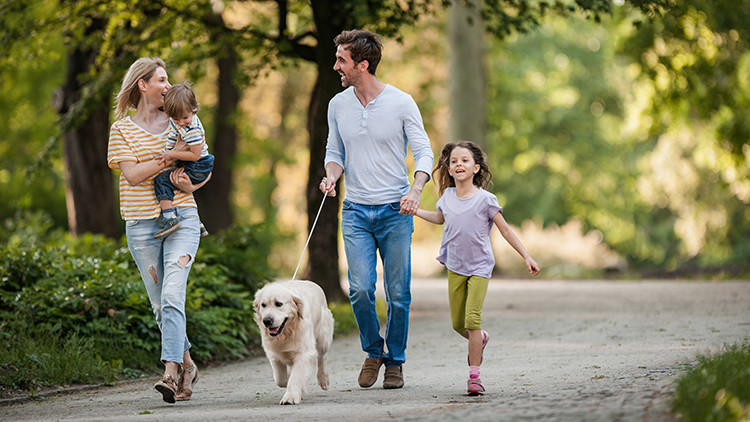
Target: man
370, 126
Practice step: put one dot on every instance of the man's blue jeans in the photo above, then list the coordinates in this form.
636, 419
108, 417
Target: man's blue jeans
367, 229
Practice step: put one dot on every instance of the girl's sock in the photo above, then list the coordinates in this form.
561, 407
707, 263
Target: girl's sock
169, 213
474, 372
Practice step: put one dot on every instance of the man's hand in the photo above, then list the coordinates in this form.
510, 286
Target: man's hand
328, 186
410, 202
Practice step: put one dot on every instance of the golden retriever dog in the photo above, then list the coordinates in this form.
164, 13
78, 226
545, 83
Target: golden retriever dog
296, 328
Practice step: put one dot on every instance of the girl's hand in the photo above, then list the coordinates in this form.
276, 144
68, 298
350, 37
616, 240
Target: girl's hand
410, 203
532, 266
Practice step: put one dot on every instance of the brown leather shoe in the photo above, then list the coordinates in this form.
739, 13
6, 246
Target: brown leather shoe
185, 392
167, 387
394, 377
369, 373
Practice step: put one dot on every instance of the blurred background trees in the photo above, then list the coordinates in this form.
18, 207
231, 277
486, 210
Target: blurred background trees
631, 124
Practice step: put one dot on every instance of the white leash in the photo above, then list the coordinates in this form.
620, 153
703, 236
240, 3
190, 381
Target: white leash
310, 235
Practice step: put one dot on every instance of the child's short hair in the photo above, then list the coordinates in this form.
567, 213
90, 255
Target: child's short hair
179, 99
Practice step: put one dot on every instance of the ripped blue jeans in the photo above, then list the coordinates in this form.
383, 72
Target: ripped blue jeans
164, 265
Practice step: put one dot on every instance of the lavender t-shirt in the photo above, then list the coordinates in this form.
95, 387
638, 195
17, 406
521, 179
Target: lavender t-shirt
466, 247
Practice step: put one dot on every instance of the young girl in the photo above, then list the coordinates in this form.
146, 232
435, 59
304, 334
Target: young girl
468, 212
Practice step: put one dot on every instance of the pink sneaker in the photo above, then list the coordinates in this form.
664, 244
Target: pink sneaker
475, 387
485, 339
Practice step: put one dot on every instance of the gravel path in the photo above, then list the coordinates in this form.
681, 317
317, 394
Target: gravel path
559, 351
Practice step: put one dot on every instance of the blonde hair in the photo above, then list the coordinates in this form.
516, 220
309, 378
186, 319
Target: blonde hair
482, 178
179, 99
130, 94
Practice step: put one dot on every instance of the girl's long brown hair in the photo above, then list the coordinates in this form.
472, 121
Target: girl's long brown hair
441, 174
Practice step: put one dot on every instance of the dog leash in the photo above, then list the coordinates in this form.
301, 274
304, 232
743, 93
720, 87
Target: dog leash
294, 277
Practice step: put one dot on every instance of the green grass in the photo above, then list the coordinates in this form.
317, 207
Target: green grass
343, 316
27, 363
717, 389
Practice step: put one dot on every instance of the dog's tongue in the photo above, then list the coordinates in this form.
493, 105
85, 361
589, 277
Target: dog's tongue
274, 330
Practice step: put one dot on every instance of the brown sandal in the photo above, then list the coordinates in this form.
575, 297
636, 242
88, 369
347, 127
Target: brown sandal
168, 388
186, 393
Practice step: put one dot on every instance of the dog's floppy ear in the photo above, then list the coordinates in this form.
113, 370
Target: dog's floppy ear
256, 302
298, 304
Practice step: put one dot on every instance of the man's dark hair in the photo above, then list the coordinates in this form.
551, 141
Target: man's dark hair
362, 45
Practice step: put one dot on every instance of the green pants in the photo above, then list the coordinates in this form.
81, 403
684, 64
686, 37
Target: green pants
466, 297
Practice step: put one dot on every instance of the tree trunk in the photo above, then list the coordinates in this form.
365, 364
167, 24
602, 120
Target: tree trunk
468, 98
213, 199
323, 255
89, 192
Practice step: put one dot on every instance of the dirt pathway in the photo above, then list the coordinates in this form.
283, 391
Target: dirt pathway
559, 351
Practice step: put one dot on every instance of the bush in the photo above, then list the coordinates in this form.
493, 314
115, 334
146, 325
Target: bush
717, 389
62, 293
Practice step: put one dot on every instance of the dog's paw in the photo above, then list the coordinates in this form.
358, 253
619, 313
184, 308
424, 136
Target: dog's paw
291, 398
281, 383
323, 380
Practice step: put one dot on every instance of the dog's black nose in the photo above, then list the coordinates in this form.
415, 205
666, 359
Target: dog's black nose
267, 321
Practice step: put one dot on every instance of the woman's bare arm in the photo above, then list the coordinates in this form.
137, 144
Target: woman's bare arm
137, 173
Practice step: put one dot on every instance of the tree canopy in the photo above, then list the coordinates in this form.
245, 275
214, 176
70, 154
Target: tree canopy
636, 126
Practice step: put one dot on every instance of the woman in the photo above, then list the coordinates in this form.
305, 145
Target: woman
134, 144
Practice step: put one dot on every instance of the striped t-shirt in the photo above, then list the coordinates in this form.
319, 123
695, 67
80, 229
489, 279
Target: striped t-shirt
130, 142
192, 134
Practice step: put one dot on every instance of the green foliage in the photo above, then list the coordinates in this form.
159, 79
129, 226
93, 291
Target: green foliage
694, 61
717, 389
59, 292
46, 357
617, 158
343, 318
579, 130
556, 143
241, 253
28, 122
697, 56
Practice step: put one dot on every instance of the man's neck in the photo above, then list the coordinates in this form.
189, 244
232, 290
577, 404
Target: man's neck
368, 89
